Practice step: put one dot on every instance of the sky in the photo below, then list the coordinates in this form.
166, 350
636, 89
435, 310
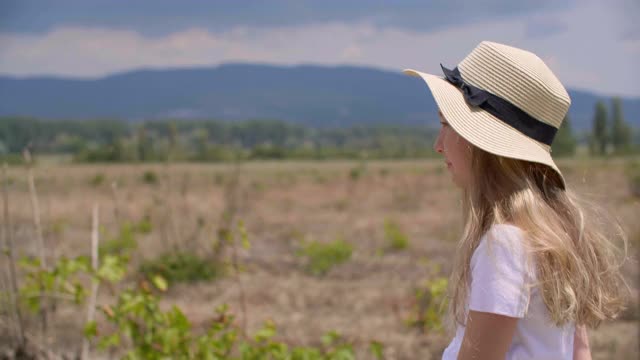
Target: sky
591, 45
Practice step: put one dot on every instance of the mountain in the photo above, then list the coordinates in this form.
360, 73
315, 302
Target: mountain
311, 95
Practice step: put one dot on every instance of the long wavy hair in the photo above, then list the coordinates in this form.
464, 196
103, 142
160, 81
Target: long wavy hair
577, 255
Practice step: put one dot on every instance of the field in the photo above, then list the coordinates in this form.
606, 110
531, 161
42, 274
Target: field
282, 205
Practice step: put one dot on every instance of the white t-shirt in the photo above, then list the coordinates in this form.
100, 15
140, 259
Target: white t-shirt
499, 277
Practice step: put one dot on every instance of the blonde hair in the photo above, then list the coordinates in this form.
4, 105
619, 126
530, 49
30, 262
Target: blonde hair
576, 261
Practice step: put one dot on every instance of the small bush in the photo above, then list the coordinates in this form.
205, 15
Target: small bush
150, 177
356, 173
152, 333
122, 244
58, 226
394, 237
430, 302
181, 267
11, 159
97, 179
322, 257
140, 328
144, 226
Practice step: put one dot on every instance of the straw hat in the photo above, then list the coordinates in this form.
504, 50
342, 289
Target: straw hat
503, 100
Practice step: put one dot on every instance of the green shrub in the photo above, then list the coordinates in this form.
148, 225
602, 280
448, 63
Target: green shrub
58, 226
122, 244
394, 237
97, 179
181, 267
125, 241
11, 159
144, 226
321, 257
141, 329
150, 177
430, 302
356, 172
66, 278
152, 333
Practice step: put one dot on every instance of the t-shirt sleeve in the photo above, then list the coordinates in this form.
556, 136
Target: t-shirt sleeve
500, 273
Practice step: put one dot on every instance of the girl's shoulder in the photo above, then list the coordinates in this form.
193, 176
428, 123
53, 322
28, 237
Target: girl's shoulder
501, 273
504, 230
504, 235
505, 243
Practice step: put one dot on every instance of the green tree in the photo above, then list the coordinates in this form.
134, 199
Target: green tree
201, 142
173, 140
600, 137
564, 143
620, 130
145, 145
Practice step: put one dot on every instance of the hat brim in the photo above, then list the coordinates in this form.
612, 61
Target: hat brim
481, 128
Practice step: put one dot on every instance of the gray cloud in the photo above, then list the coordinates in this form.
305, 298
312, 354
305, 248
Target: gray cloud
90, 51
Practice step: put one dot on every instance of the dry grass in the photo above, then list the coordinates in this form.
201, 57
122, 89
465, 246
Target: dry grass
367, 298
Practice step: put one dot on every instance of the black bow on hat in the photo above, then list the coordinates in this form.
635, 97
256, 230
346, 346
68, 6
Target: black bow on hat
501, 109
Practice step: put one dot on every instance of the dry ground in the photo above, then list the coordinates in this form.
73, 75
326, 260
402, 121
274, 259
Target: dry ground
367, 298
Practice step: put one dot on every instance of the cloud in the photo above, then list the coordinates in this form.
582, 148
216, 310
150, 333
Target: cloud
162, 17
581, 54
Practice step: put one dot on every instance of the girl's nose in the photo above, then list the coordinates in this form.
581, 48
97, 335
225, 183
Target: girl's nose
437, 145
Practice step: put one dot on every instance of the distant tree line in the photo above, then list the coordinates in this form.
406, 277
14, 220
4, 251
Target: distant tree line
609, 134
105, 140
190, 140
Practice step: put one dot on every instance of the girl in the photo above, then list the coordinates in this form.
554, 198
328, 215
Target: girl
531, 272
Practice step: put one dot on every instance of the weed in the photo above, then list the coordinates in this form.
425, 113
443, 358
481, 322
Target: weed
321, 257
97, 179
181, 267
144, 226
150, 177
142, 329
394, 237
57, 227
356, 173
430, 299
156, 334
122, 244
